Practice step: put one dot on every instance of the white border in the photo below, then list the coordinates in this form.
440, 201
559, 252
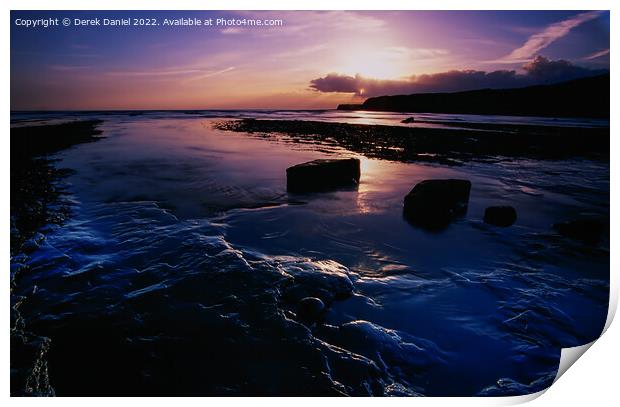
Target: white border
592, 381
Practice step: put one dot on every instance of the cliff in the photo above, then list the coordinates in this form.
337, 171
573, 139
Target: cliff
585, 97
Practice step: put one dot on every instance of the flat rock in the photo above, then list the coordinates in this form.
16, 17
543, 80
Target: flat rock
408, 120
434, 203
500, 215
323, 175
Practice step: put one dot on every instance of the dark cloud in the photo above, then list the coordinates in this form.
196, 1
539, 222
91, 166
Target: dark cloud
539, 71
544, 70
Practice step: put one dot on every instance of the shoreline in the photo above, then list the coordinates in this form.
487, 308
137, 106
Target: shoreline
35, 194
36, 204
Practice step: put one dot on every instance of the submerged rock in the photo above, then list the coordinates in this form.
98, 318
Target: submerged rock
397, 354
310, 309
323, 175
586, 230
434, 203
326, 280
500, 215
408, 120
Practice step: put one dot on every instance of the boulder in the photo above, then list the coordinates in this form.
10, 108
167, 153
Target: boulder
587, 230
310, 309
434, 203
408, 120
323, 175
500, 215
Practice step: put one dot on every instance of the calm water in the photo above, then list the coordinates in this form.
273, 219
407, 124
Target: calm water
181, 266
437, 120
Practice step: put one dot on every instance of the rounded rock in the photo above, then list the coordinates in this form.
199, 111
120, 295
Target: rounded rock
310, 309
500, 215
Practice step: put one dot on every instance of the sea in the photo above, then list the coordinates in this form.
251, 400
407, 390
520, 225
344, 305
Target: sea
181, 267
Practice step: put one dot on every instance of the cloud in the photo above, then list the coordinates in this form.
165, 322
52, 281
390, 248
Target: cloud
597, 54
209, 74
317, 21
417, 53
543, 70
182, 75
232, 31
163, 72
540, 70
190, 74
541, 40
299, 52
70, 68
310, 23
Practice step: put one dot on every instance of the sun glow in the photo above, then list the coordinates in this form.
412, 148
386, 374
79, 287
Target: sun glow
379, 63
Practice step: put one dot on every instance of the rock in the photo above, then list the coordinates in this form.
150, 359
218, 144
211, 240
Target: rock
586, 230
500, 215
326, 280
310, 309
388, 348
434, 203
323, 175
408, 120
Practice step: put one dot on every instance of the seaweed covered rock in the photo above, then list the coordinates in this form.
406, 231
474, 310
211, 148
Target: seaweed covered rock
500, 215
323, 175
434, 203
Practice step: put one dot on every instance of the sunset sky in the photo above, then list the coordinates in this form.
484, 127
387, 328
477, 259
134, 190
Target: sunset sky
315, 60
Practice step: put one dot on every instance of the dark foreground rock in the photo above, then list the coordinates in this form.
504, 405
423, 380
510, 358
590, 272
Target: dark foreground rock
587, 230
323, 175
500, 215
408, 120
434, 203
310, 309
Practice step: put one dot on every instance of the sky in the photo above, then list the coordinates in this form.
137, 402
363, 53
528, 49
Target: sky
314, 60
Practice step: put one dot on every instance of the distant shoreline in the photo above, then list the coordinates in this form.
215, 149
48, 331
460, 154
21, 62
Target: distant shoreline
585, 97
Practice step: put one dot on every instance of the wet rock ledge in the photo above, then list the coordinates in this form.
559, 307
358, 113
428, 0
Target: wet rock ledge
447, 145
35, 193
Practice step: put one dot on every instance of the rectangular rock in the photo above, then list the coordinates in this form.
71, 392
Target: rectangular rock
323, 175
